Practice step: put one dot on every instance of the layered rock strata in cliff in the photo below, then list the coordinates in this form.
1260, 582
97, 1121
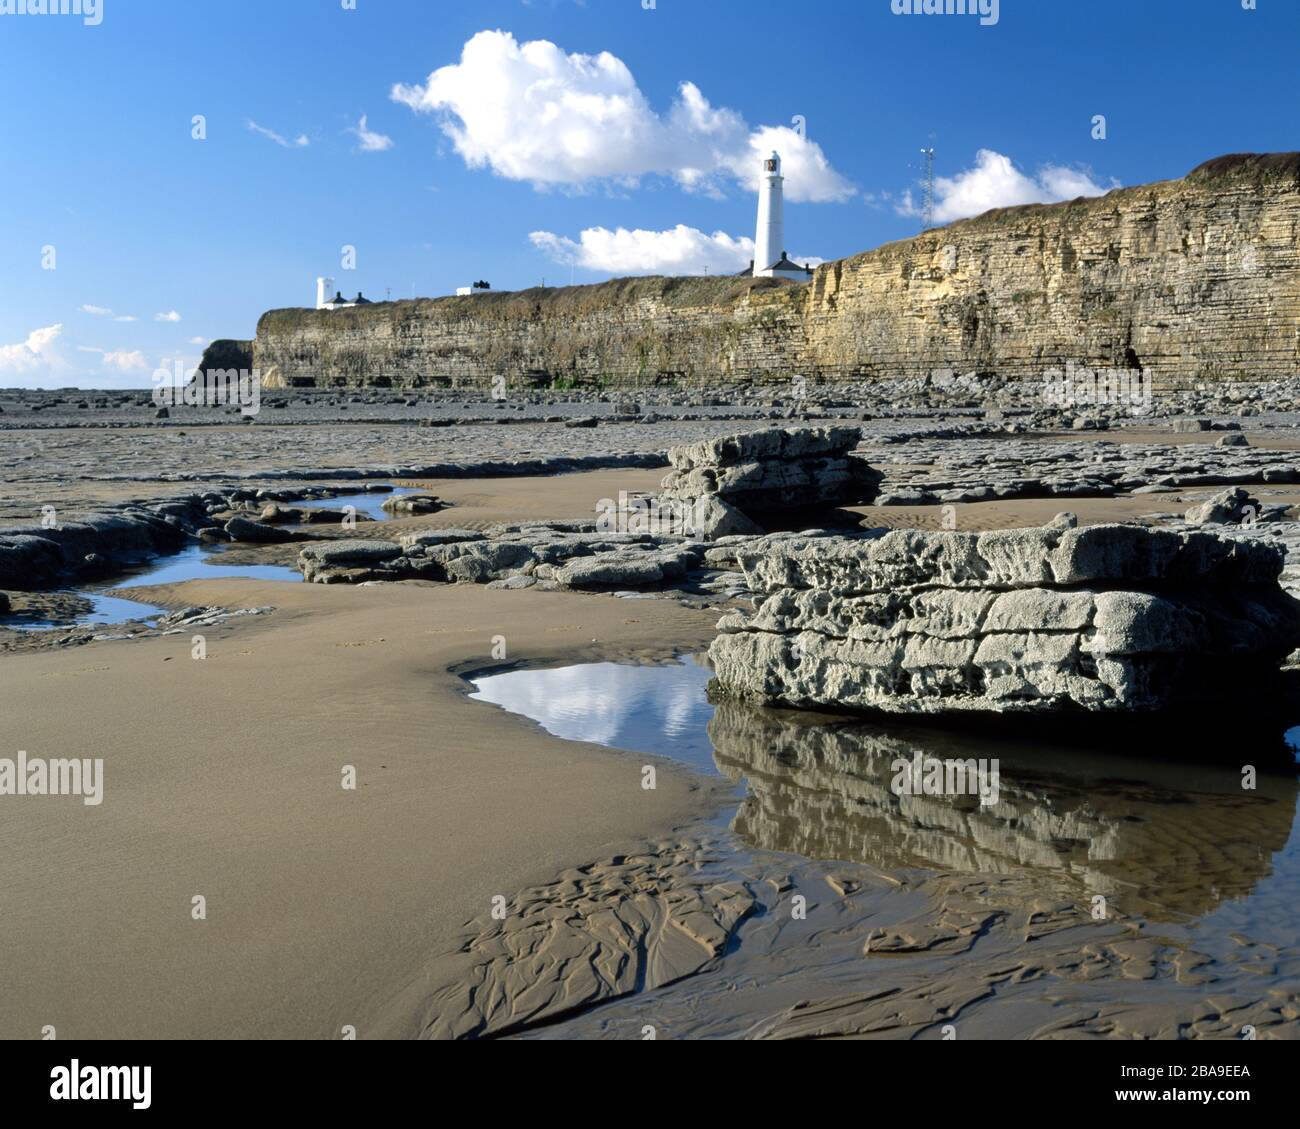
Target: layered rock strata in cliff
1187, 280
1105, 619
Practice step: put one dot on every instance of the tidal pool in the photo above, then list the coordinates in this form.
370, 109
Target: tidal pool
197, 562
369, 505
659, 710
1168, 832
202, 562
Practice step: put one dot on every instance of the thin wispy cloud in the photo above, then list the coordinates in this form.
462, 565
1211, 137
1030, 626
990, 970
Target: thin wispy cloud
97, 311
170, 316
371, 142
299, 142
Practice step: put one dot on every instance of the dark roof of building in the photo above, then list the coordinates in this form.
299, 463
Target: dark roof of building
784, 263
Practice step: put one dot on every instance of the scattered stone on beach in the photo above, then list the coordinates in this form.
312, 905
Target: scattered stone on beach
1231, 507
334, 561
276, 514
202, 616
255, 532
710, 518
564, 554
1103, 619
412, 504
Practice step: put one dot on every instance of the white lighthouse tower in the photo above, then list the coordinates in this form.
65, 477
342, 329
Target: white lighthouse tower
770, 259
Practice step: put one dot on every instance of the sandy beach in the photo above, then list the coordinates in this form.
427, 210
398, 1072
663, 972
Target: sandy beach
329, 909
223, 779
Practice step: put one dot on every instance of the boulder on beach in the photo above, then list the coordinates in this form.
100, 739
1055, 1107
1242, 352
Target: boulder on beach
1109, 618
1234, 507
276, 514
412, 504
255, 532
768, 476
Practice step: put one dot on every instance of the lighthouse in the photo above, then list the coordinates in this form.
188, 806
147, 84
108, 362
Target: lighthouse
770, 260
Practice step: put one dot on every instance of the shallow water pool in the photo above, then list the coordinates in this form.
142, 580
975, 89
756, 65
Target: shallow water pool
1173, 836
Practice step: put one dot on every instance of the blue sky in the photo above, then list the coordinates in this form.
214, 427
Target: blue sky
498, 166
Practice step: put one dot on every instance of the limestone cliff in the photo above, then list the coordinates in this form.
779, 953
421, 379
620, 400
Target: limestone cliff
1196, 278
626, 331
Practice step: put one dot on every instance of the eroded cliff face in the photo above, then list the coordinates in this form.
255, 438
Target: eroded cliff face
626, 332
1194, 279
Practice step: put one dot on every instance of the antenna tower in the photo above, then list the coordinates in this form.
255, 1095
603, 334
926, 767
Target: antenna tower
928, 207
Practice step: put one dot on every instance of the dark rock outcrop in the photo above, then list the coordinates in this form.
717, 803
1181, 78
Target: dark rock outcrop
36, 556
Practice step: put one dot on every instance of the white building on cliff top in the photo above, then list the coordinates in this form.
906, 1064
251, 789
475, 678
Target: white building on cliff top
338, 302
770, 259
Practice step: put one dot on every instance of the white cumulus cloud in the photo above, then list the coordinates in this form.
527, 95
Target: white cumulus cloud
533, 112
169, 315
995, 182
679, 250
120, 360
124, 360
39, 351
371, 142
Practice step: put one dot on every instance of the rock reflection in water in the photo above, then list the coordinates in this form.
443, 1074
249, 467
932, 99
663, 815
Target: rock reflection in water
1160, 837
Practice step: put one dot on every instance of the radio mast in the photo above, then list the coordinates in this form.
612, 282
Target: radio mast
928, 208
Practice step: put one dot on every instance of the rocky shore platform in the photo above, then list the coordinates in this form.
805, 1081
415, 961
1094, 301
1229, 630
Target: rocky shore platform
544, 524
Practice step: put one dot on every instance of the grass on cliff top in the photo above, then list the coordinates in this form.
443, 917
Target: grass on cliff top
687, 292
1257, 168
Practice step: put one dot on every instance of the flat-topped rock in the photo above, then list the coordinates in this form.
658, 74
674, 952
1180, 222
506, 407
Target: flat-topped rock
739, 483
1015, 558
1103, 619
770, 443
36, 556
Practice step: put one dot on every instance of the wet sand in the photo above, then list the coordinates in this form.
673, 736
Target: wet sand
328, 908
223, 779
